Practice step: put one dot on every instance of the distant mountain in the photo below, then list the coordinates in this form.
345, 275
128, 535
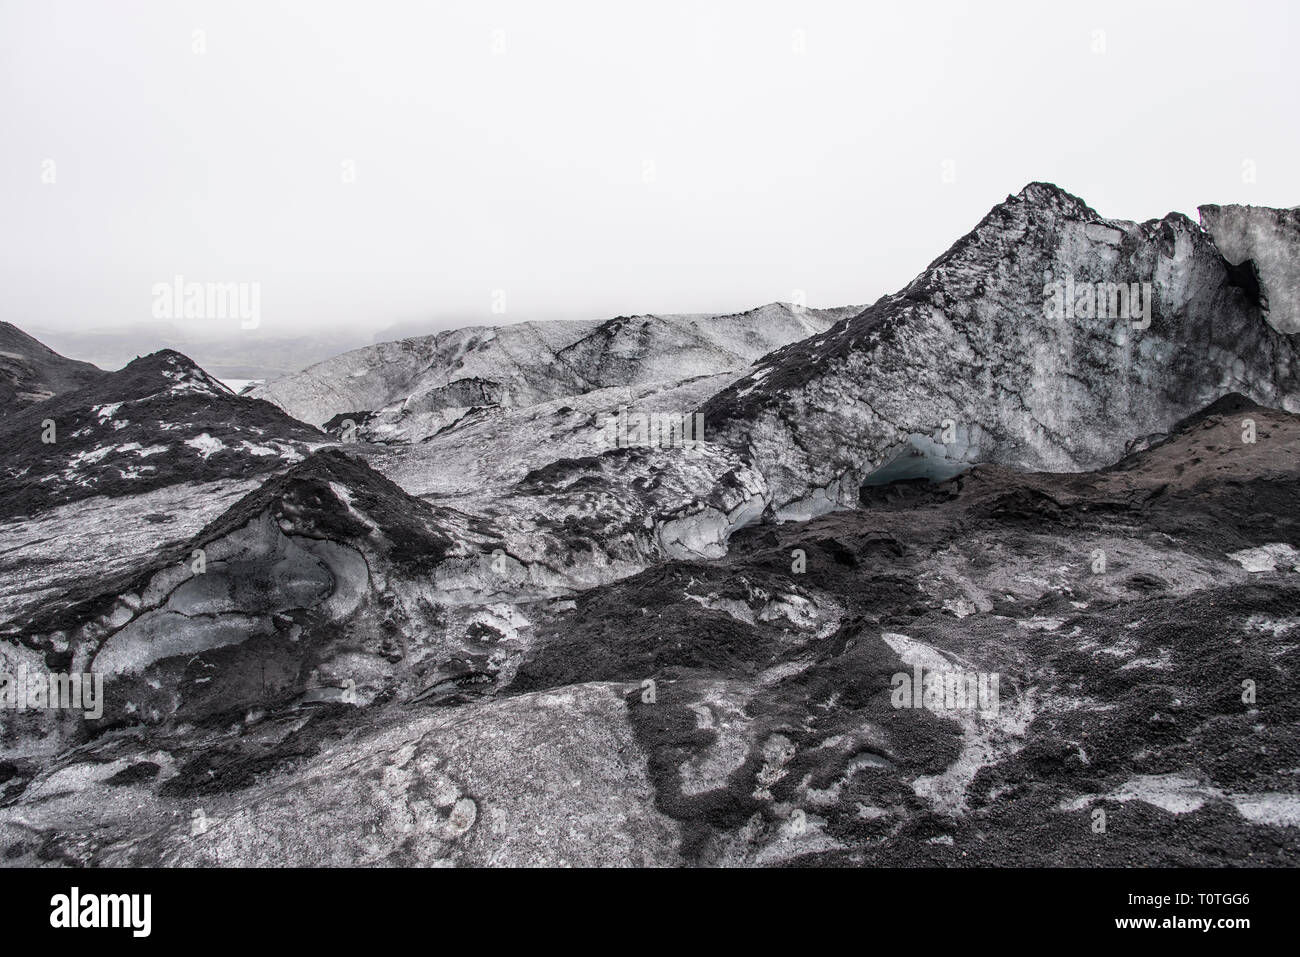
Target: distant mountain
31, 372
531, 362
231, 353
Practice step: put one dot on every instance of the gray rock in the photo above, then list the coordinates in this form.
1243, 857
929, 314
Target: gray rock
31, 372
975, 355
1267, 240
531, 362
492, 639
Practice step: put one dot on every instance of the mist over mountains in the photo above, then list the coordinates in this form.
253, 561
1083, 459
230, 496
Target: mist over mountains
221, 347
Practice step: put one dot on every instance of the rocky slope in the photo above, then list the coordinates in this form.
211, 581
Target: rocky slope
489, 637
742, 711
328, 565
159, 421
975, 362
1262, 242
31, 372
967, 364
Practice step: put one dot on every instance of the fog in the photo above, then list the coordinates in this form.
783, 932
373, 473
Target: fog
419, 166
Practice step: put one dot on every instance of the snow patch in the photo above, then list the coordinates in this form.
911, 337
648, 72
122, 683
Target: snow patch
205, 444
1267, 558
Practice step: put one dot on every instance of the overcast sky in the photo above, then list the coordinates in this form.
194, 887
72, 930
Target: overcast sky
595, 159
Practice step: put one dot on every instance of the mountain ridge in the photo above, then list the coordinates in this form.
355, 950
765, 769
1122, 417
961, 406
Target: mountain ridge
516, 364
475, 631
157, 421
31, 371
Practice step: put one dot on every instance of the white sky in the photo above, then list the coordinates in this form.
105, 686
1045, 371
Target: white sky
523, 170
